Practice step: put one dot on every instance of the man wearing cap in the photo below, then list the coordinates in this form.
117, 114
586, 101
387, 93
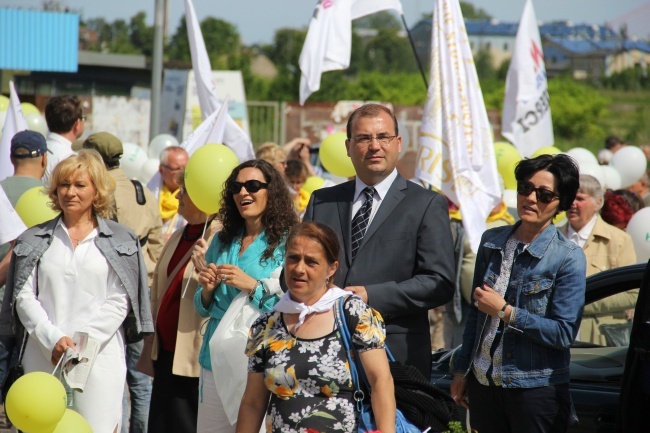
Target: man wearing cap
137, 209
65, 120
29, 158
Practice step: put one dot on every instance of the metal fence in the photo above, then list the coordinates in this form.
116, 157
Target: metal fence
265, 122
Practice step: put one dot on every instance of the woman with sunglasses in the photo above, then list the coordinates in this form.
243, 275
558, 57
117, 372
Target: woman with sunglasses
512, 369
242, 257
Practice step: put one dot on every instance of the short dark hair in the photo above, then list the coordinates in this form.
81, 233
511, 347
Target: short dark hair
62, 112
321, 233
369, 110
612, 141
562, 167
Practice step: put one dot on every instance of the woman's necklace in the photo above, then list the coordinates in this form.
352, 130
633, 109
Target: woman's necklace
304, 324
82, 237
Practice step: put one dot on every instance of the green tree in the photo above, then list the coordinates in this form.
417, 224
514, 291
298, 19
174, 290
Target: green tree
388, 52
386, 20
141, 34
222, 41
470, 12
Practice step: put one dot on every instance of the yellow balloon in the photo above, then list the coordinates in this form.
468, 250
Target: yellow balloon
36, 402
547, 150
72, 422
312, 183
559, 219
32, 207
205, 173
334, 155
4, 103
29, 108
507, 158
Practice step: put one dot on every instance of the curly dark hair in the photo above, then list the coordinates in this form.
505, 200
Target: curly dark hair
278, 217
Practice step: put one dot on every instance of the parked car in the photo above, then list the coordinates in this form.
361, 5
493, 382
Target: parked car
596, 371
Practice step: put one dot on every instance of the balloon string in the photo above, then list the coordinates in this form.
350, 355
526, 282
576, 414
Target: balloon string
205, 227
59, 363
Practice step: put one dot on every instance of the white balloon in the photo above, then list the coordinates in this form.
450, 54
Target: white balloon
630, 162
132, 160
160, 142
582, 155
36, 122
612, 178
639, 229
594, 170
148, 170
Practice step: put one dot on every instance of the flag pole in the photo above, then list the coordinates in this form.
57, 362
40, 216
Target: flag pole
417, 58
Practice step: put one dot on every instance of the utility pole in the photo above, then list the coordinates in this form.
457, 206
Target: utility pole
156, 66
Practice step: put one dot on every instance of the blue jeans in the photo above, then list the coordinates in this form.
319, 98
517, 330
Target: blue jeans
135, 419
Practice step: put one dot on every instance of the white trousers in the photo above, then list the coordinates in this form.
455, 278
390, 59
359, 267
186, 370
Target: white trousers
212, 417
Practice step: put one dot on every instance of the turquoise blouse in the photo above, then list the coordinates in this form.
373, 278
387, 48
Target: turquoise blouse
252, 264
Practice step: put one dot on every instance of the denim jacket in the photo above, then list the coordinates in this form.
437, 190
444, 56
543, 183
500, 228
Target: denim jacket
547, 288
122, 250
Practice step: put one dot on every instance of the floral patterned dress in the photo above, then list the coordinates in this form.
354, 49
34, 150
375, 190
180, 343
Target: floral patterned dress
309, 379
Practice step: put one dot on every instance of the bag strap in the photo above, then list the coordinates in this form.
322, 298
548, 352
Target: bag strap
23, 344
346, 338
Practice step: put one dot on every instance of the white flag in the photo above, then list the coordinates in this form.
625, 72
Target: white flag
12, 225
526, 119
328, 44
211, 130
14, 123
456, 150
234, 137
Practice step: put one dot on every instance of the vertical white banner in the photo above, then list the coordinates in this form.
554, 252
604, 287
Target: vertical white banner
456, 150
234, 137
14, 123
526, 120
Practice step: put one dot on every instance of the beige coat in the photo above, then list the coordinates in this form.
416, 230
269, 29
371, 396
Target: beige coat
188, 337
607, 247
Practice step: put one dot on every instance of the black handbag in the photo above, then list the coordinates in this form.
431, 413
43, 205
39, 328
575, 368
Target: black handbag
16, 371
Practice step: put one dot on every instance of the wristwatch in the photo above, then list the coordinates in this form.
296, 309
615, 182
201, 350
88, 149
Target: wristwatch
502, 313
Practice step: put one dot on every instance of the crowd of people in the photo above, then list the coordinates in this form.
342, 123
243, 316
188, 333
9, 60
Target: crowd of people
227, 322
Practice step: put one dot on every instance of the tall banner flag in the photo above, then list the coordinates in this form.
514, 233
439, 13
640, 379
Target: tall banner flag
526, 120
12, 225
328, 44
14, 123
234, 137
456, 149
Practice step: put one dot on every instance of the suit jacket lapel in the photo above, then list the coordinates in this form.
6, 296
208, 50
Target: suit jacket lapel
388, 204
345, 218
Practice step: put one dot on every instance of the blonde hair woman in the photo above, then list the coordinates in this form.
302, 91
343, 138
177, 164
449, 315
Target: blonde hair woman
82, 272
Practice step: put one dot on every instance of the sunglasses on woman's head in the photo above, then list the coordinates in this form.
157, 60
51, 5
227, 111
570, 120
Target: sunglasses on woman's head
250, 185
543, 195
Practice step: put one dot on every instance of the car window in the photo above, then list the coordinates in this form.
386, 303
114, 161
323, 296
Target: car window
608, 321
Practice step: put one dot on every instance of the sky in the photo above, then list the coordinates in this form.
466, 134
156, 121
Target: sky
257, 20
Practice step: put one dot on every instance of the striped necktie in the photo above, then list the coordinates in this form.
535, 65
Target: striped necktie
360, 221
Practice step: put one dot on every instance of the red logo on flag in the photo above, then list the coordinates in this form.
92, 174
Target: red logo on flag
536, 54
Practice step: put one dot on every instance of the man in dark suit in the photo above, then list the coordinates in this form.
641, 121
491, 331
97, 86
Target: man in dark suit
397, 250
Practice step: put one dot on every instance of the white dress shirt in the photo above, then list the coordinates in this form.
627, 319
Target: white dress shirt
580, 237
58, 149
381, 189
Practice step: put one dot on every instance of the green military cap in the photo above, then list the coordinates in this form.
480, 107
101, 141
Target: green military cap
109, 147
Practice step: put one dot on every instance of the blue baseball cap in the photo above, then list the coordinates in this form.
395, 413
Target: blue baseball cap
33, 143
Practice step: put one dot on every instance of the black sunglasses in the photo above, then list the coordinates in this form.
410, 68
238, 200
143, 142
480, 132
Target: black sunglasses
250, 185
543, 195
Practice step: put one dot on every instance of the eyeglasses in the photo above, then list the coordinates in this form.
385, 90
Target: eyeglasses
83, 118
366, 140
250, 185
542, 194
171, 168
